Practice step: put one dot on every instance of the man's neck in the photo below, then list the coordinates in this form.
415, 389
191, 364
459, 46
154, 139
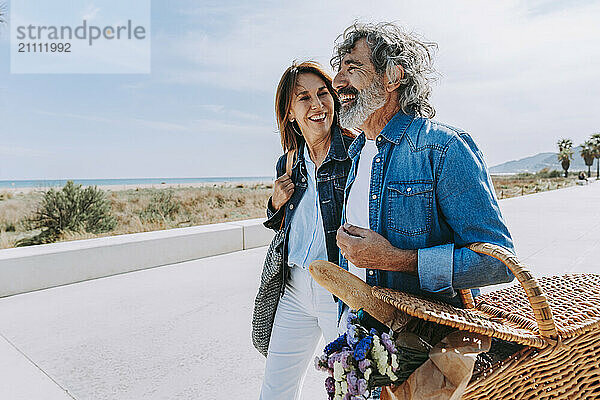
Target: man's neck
380, 118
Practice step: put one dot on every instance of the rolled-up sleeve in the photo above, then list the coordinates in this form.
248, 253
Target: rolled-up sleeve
468, 204
435, 266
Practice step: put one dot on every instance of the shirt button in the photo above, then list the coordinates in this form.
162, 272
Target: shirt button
377, 159
371, 272
409, 189
374, 197
303, 179
291, 206
379, 139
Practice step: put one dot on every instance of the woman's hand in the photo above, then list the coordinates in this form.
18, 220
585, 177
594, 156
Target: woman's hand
282, 191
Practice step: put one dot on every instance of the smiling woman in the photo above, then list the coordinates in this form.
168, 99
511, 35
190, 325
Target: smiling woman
294, 95
308, 215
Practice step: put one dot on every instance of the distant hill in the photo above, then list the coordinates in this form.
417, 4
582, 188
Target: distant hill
540, 161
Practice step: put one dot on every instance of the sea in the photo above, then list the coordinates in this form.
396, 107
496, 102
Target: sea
48, 183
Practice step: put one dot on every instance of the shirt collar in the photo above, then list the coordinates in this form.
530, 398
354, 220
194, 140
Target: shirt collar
357, 145
394, 130
337, 150
307, 159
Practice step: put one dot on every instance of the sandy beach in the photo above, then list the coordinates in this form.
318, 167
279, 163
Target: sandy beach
114, 188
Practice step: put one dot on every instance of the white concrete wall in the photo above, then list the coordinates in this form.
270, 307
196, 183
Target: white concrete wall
39, 267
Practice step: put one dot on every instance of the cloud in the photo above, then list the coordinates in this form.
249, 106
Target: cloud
85, 117
516, 74
161, 125
228, 113
219, 119
498, 57
90, 12
213, 108
16, 151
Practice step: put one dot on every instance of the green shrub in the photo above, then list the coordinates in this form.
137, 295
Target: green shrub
162, 206
9, 227
547, 173
70, 209
525, 175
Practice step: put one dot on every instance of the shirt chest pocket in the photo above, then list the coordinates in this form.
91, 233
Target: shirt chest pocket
410, 207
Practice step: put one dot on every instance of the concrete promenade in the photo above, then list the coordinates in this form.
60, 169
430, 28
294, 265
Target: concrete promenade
183, 331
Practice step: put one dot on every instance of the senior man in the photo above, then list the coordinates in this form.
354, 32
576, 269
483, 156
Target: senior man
418, 190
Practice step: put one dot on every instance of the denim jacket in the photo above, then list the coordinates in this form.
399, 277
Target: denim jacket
430, 190
331, 180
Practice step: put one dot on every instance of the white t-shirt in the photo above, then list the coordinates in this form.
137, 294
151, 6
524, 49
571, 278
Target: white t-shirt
357, 209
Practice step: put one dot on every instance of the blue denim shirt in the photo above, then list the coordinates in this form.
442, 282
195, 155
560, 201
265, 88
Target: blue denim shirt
430, 190
331, 180
307, 236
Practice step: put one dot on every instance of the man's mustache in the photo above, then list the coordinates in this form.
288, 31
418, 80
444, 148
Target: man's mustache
348, 90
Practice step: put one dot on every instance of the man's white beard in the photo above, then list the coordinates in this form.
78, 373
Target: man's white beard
367, 101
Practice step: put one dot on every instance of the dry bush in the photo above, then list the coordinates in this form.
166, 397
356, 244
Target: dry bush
16, 209
195, 206
71, 208
515, 185
6, 195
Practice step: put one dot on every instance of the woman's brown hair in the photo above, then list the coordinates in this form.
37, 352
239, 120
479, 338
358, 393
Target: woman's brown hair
290, 131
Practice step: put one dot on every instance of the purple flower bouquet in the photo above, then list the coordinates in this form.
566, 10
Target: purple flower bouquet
365, 358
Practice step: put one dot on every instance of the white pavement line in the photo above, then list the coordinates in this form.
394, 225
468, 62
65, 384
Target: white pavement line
22, 379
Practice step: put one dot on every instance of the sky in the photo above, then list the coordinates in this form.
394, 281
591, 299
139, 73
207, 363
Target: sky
517, 75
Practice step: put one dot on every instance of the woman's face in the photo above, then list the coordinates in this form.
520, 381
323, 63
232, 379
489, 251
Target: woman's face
312, 106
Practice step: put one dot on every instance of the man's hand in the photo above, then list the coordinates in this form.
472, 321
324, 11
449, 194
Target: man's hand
367, 249
283, 189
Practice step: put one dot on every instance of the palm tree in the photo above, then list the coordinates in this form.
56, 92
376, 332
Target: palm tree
564, 144
595, 139
588, 154
565, 157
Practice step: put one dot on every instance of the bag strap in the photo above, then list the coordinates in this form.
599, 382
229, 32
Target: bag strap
289, 163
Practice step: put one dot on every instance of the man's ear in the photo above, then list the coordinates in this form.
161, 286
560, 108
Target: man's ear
394, 78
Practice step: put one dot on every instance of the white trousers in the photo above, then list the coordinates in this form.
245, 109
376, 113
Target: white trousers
305, 311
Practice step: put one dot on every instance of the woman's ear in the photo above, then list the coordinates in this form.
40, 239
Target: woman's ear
291, 117
393, 78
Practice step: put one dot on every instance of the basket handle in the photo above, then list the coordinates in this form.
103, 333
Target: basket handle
535, 295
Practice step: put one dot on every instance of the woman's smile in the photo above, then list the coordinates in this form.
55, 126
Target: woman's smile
313, 106
319, 117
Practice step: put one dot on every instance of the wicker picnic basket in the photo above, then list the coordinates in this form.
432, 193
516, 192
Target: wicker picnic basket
556, 319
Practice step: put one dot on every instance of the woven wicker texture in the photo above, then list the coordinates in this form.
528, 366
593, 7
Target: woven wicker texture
536, 329
574, 300
557, 317
567, 372
469, 320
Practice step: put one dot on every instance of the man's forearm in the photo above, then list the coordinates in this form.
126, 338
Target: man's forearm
400, 260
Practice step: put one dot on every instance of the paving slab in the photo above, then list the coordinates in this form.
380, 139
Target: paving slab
183, 331
556, 232
176, 332
22, 379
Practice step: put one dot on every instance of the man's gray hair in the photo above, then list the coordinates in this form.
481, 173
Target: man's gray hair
390, 46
